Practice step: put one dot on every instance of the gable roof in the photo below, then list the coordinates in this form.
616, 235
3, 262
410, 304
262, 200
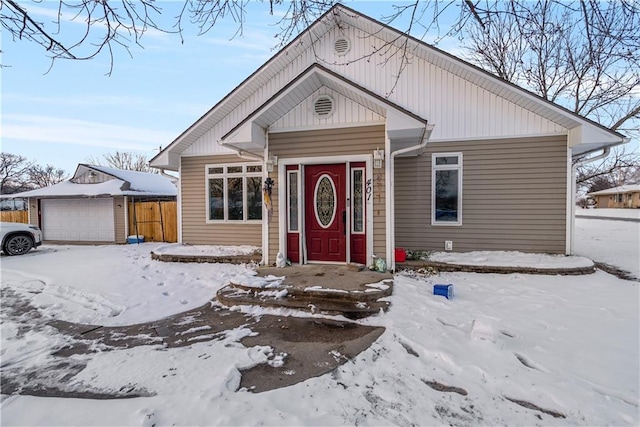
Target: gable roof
629, 188
123, 183
403, 127
587, 135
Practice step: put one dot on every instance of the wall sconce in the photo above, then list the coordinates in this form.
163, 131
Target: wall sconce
378, 157
271, 161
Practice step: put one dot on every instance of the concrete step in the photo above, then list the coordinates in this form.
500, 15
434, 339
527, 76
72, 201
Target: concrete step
351, 304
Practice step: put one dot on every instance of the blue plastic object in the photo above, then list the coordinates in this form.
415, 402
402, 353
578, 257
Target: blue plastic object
135, 239
444, 290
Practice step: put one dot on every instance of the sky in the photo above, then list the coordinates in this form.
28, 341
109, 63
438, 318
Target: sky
73, 111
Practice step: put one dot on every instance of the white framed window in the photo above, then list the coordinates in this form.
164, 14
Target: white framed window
446, 189
293, 201
234, 192
358, 201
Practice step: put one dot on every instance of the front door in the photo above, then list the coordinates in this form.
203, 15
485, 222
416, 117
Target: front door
325, 212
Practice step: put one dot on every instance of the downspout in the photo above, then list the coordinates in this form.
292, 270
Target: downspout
265, 216
574, 167
166, 175
391, 241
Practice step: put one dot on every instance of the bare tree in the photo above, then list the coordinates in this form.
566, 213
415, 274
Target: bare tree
44, 176
14, 173
124, 160
583, 55
111, 25
620, 168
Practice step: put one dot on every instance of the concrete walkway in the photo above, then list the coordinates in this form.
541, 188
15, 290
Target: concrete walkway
311, 345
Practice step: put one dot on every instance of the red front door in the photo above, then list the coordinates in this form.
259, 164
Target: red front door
325, 212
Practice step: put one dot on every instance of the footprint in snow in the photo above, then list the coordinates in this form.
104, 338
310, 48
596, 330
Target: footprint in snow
160, 284
184, 301
165, 293
149, 420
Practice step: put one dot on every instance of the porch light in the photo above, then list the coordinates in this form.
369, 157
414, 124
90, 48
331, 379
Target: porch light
271, 161
378, 157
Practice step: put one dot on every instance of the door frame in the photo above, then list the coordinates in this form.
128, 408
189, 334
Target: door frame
282, 201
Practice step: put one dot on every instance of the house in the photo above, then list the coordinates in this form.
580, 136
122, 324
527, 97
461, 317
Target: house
625, 196
92, 206
335, 150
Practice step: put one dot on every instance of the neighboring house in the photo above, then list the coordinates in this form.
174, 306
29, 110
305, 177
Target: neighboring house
362, 161
626, 196
92, 206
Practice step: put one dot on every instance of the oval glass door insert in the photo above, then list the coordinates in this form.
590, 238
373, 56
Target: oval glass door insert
325, 201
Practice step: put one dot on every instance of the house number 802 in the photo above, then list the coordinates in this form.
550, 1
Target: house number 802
369, 189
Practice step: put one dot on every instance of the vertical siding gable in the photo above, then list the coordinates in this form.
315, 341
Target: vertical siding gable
346, 111
459, 108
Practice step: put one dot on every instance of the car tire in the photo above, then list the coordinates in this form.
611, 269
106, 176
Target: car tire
18, 244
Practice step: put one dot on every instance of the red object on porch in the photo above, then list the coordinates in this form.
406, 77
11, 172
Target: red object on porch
401, 255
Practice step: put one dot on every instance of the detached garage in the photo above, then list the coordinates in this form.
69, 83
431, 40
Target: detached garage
83, 220
92, 207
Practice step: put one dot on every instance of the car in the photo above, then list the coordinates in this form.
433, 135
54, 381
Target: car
18, 238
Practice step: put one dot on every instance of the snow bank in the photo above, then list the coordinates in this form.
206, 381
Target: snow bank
609, 213
612, 242
511, 259
204, 250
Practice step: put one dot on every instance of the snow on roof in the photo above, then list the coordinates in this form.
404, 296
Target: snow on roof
629, 188
141, 181
140, 184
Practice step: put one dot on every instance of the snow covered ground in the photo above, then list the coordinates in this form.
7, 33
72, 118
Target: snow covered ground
567, 344
612, 242
610, 212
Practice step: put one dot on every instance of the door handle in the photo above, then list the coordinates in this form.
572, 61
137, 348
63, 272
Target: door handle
344, 222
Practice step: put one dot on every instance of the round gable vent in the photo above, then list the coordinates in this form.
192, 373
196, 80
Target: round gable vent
323, 106
341, 46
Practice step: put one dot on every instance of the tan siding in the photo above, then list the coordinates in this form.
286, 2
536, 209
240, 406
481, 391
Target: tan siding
332, 142
119, 218
274, 227
33, 212
195, 229
327, 142
379, 214
513, 197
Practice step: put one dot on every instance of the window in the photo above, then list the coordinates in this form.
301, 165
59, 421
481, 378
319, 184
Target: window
618, 198
446, 189
357, 196
292, 186
234, 192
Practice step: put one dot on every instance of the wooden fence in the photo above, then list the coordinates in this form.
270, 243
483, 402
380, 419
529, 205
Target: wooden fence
157, 221
14, 216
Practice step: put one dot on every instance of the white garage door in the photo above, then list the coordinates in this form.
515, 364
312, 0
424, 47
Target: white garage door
83, 220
